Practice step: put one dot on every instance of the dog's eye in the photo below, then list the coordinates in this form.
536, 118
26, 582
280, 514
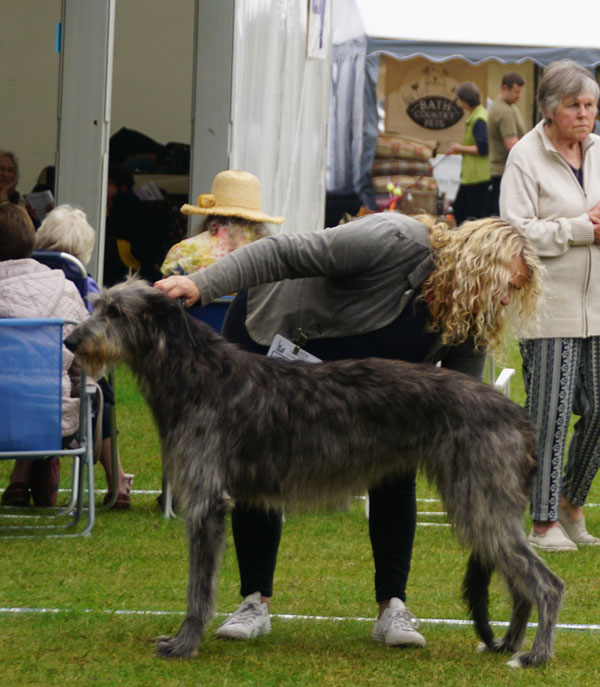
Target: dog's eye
112, 310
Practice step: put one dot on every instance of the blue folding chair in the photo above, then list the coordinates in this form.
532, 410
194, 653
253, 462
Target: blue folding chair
73, 268
30, 421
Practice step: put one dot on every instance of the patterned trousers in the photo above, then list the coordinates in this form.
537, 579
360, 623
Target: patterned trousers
563, 376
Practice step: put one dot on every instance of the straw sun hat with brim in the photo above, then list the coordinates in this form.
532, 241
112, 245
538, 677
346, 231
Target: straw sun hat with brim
233, 194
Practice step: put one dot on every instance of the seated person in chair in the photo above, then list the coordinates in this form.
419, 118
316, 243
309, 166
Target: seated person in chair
67, 230
30, 289
233, 219
9, 178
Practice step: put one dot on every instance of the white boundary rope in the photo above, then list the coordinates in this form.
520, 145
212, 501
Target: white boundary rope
285, 616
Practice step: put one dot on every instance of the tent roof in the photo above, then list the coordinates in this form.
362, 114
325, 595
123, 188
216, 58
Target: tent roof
509, 31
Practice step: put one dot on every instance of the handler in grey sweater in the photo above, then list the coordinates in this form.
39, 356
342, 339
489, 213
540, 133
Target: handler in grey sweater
387, 286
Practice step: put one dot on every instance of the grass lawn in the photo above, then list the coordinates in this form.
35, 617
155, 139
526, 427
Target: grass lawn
90, 608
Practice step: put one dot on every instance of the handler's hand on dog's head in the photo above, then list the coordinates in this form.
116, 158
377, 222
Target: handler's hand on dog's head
179, 287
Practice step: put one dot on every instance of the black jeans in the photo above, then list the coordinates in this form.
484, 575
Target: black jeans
392, 504
494, 197
471, 202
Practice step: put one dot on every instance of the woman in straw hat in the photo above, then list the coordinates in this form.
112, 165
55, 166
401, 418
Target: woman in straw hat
385, 285
233, 219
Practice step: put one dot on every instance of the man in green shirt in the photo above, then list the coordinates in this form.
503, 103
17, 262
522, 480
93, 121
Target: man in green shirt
505, 128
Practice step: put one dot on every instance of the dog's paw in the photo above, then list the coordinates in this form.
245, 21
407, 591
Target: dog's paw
515, 661
529, 659
497, 646
174, 647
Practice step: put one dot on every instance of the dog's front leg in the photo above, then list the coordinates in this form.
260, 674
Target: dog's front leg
206, 541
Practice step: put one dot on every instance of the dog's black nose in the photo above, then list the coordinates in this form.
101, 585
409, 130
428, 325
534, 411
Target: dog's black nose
72, 341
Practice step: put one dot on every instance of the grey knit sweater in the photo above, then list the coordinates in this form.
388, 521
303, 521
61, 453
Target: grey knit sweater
334, 282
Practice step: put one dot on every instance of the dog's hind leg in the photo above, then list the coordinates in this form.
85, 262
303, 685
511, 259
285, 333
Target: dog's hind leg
531, 581
521, 612
475, 594
206, 542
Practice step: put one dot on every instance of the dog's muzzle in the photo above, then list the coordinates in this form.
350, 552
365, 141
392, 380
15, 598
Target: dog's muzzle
72, 341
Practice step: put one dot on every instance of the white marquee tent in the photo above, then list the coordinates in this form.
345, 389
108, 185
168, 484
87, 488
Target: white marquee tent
260, 103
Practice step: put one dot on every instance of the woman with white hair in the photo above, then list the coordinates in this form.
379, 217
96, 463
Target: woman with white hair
66, 229
551, 192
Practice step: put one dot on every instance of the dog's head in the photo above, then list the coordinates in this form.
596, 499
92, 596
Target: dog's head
122, 326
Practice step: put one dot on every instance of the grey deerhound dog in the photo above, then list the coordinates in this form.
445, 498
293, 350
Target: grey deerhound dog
240, 427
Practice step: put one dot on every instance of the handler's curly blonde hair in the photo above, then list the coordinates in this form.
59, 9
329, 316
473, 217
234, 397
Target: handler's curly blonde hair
473, 269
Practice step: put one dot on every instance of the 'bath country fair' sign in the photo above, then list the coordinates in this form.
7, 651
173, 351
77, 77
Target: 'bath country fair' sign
434, 112
419, 98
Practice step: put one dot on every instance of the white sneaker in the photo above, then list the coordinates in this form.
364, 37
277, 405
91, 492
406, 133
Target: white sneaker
397, 626
554, 539
250, 620
576, 531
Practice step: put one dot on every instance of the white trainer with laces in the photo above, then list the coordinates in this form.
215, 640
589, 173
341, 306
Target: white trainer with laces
397, 626
554, 539
250, 620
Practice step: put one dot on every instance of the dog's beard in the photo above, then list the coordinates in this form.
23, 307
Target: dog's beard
94, 368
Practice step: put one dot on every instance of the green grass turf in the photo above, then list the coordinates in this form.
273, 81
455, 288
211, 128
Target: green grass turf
136, 561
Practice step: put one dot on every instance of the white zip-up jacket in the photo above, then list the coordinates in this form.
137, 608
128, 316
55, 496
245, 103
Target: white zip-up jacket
541, 196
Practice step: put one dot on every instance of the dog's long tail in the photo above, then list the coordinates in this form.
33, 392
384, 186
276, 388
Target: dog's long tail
475, 593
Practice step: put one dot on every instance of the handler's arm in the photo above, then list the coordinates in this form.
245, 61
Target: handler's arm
178, 286
332, 252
